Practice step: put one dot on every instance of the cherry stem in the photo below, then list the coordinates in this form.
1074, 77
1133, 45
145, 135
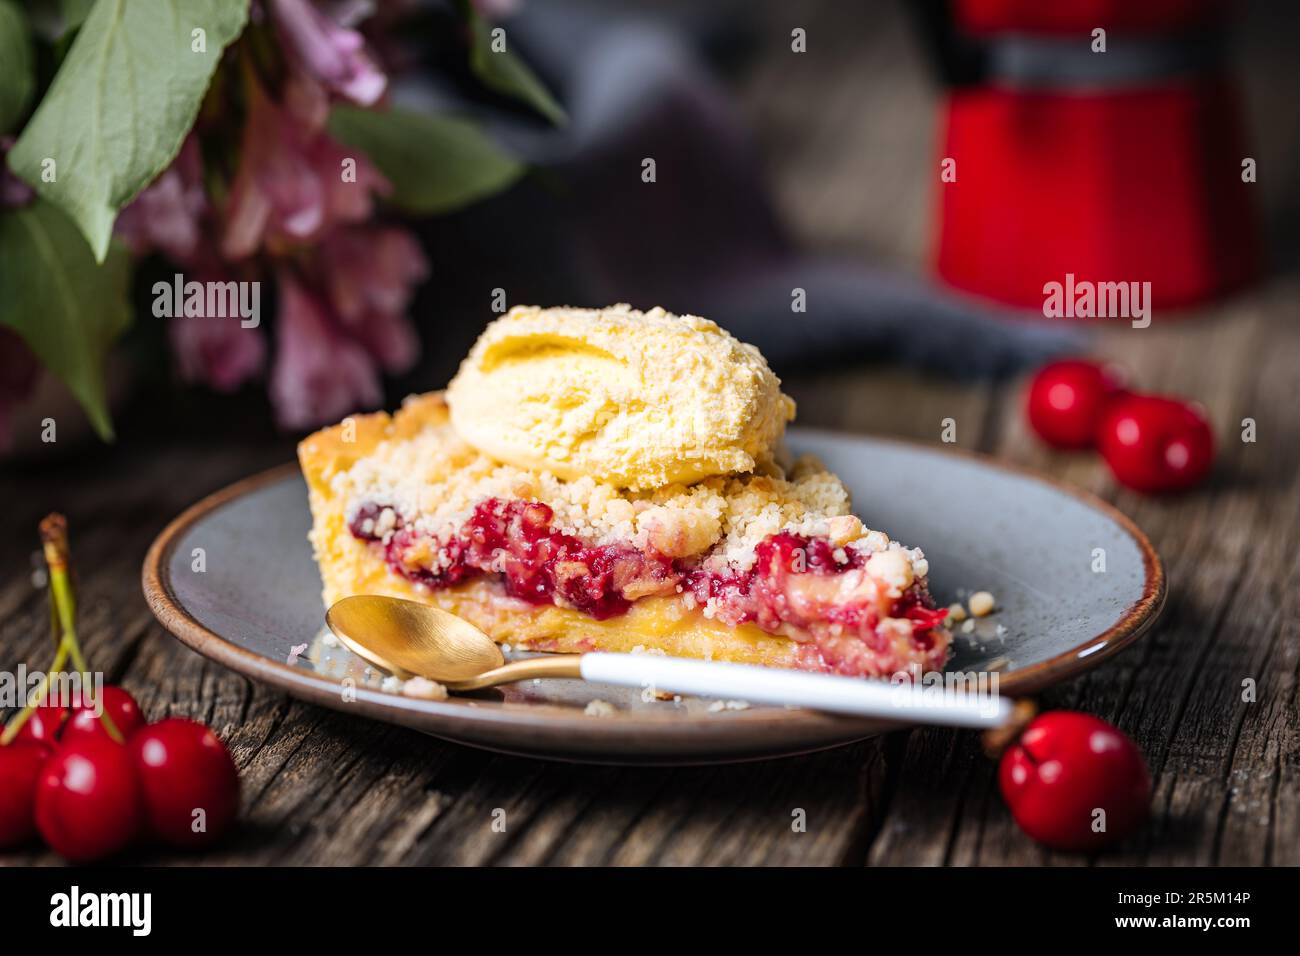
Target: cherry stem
1000, 738
63, 602
15, 725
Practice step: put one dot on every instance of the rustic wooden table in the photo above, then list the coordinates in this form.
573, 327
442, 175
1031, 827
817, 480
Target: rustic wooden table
324, 788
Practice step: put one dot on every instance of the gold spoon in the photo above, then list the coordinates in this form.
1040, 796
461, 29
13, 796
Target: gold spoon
406, 638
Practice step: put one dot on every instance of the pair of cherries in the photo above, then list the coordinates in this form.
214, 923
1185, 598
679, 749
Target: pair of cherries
1152, 443
88, 796
1072, 781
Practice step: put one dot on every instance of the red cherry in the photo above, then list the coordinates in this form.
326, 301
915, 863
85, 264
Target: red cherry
20, 766
121, 709
1067, 399
43, 725
185, 767
1067, 766
88, 802
1156, 444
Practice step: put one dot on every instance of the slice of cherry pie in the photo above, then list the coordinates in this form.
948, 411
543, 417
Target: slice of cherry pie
766, 567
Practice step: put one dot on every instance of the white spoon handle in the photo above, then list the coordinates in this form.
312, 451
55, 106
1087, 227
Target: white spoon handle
906, 703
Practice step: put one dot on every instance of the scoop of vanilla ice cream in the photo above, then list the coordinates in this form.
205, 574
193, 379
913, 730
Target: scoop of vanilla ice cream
633, 399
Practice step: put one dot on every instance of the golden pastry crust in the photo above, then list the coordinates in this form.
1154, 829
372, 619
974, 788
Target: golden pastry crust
346, 565
324, 453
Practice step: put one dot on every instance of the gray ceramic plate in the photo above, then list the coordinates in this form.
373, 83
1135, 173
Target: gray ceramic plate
983, 526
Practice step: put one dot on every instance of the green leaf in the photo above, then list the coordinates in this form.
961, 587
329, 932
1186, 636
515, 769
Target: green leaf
67, 307
120, 105
436, 164
508, 75
17, 65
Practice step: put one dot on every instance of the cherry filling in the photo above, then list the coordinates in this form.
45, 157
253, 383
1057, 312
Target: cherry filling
535, 562
794, 581
763, 594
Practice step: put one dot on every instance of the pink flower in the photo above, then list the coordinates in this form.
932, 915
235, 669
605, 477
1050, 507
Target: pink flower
306, 101
168, 214
292, 183
217, 351
370, 275
329, 51
275, 189
351, 200
319, 375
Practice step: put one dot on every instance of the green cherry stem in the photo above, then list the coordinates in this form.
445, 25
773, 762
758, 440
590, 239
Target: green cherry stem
38, 698
54, 541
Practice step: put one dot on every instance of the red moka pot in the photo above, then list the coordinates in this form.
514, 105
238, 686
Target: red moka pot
1128, 165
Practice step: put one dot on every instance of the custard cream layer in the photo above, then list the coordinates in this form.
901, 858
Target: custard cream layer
631, 399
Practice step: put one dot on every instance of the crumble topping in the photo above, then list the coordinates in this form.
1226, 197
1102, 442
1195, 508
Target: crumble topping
422, 688
432, 481
981, 604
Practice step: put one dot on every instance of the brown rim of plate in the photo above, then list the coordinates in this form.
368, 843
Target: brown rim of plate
1135, 621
